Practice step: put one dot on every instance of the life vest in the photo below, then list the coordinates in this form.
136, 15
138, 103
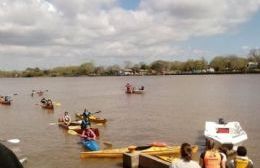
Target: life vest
241, 163
66, 119
89, 134
85, 123
212, 159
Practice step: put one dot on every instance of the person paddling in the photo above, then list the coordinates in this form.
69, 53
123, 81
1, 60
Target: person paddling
86, 121
44, 100
128, 88
66, 118
88, 134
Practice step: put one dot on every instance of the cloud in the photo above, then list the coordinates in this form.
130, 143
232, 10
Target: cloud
53, 32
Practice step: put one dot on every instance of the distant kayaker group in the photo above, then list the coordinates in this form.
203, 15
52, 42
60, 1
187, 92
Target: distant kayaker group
130, 89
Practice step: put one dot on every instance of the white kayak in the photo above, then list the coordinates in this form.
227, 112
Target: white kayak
227, 133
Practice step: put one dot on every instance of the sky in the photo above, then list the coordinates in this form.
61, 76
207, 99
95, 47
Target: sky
51, 33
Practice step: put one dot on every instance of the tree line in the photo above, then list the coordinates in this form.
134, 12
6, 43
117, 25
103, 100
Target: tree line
219, 64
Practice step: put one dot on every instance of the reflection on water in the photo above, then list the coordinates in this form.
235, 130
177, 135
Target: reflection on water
173, 110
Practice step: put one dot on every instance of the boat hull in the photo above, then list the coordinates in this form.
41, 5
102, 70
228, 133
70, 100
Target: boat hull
49, 107
230, 133
77, 128
135, 92
92, 118
90, 145
5, 102
118, 153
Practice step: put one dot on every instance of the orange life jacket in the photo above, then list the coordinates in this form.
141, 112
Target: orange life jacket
212, 159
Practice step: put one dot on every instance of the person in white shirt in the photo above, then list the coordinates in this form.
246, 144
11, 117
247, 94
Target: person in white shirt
186, 158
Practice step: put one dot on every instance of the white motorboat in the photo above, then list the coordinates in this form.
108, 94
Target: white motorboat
225, 133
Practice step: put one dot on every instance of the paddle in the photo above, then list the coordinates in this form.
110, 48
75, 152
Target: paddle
14, 141
57, 123
90, 113
72, 132
96, 112
56, 103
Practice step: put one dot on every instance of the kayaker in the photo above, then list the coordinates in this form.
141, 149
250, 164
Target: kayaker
40, 93
6, 98
241, 160
141, 88
128, 88
8, 158
211, 158
221, 121
85, 121
186, 158
88, 134
66, 118
43, 100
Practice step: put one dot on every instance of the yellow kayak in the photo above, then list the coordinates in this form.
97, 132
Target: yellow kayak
92, 118
176, 157
118, 153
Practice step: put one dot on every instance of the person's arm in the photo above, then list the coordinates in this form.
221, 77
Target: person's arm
223, 160
93, 135
223, 163
83, 135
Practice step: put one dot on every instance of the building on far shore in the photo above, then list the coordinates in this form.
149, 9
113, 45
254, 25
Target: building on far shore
210, 70
126, 72
252, 65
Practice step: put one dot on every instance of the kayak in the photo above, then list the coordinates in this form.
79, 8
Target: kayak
50, 107
77, 128
5, 102
135, 92
90, 145
73, 125
138, 91
92, 118
175, 157
118, 153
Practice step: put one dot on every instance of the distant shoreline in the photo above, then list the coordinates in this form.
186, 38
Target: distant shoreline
177, 74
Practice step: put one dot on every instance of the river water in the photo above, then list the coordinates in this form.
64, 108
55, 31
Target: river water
173, 110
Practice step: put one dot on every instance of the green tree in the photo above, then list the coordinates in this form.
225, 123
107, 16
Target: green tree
160, 66
100, 70
113, 70
218, 63
86, 68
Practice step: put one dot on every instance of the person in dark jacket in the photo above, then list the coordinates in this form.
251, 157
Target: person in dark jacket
85, 121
